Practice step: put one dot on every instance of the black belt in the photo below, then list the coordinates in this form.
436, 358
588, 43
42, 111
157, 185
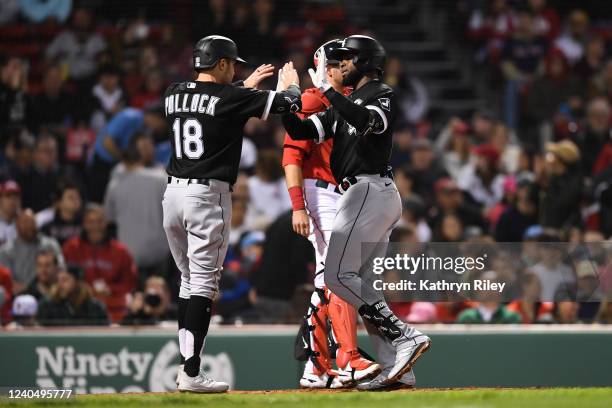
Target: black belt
205, 182
350, 180
325, 185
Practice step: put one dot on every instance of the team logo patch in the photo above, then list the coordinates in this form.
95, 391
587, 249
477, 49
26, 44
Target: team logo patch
358, 101
385, 103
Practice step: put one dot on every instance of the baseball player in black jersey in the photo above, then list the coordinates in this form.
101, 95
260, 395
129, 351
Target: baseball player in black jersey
361, 126
206, 119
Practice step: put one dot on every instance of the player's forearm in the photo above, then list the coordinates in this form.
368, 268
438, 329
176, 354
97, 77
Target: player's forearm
289, 100
356, 115
294, 176
299, 129
111, 147
295, 186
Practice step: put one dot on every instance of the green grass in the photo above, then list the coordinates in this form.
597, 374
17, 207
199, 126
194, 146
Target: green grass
559, 397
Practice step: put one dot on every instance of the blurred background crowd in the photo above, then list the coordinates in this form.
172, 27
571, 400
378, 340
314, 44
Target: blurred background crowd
505, 135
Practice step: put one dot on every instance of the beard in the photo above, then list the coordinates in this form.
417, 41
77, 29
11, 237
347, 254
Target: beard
351, 78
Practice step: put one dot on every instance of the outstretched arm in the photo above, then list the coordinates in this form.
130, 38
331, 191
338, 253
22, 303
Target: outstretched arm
365, 119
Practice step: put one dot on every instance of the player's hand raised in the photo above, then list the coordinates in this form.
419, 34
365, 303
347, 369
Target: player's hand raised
287, 76
301, 223
319, 77
262, 72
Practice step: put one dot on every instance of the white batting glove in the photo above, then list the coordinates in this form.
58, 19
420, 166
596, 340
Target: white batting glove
279, 82
319, 77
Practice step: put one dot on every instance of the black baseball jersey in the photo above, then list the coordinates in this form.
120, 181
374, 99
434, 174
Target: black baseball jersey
353, 152
206, 122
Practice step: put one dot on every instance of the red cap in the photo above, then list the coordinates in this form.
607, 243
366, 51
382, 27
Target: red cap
9, 187
488, 151
445, 184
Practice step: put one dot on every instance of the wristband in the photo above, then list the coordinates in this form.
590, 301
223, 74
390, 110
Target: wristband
297, 198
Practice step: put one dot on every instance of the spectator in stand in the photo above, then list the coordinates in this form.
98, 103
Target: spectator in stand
47, 268
492, 28
151, 92
78, 47
38, 181
592, 139
25, 308
40, 11
450, 200
550, 270
529, 306
146, 150
519, 216
602, 197
71, 302
267, 190
601, 85
490, 309
453, 145
402, 140
572, 42
604, 316
521, 61
18, 152
545, 19
287, 262
133, 202
137, 71
486, 186
65, 219
107, 96
235, 282
566, 308
556, 87
6, 295
413, 216
10, 205
592, 61
9, 11
450, 229
561, 186
509, 150
482, 127
412, 93
109, 267
114, 138
239, 211
53, 107
13, 84
19, 254
151, 306
425, 168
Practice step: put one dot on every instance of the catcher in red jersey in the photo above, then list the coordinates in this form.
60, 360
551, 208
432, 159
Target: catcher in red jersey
314, 194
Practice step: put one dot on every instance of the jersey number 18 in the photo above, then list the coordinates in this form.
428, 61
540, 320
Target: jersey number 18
191, 143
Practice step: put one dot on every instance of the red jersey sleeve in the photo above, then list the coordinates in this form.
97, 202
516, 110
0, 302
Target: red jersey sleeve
294, 151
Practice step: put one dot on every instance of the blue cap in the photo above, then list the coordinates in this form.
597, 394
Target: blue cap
533, 232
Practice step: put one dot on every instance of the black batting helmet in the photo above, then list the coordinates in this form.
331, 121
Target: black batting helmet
367, 53
209, 50
327, 48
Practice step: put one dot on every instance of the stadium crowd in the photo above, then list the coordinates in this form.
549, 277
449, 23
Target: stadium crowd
84, 143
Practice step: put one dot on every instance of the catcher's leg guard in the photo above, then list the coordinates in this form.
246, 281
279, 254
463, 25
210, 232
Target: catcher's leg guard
349, 360
312, 339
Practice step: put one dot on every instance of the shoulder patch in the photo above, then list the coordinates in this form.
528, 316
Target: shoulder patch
385, 103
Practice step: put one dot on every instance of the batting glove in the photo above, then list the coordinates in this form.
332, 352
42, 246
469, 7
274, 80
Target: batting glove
319, 77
